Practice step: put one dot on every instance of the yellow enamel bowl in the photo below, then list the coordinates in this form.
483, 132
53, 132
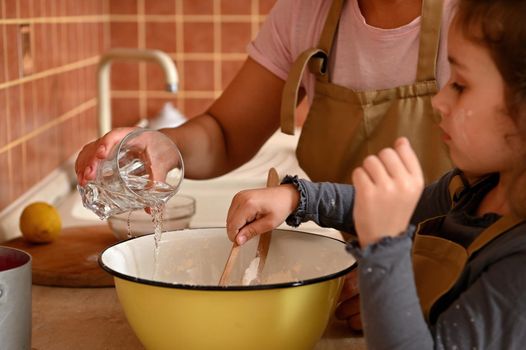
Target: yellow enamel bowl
172, 300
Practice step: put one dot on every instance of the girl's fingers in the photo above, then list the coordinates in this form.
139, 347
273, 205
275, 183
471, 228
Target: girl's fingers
361, 179
375, 169
240, 213
408, 156
233, 224
392, 163
253, 229
233, 229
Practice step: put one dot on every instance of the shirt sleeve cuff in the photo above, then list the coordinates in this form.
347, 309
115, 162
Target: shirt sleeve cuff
298, 215
384, 246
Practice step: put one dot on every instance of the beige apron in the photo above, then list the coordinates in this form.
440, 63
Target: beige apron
438, 262
344, 126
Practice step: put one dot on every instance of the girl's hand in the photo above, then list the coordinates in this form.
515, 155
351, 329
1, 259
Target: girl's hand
253, 212
388, 187
93, 152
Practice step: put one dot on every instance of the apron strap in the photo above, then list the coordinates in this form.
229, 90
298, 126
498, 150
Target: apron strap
456, 185
289, 97
328, 35
459, 182
501, 226
429, 39
317, 60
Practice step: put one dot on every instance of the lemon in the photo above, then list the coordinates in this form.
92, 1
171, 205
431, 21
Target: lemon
40, 223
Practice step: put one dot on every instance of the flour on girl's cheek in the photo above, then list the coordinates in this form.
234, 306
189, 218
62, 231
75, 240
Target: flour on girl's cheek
463, 118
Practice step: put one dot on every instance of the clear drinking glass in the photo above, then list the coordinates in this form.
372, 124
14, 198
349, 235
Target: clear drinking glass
144, 170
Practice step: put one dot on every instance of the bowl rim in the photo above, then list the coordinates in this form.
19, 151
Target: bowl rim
189, 209
228, 287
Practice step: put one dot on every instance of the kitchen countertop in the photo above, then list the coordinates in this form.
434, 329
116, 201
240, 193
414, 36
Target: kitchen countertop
92, 318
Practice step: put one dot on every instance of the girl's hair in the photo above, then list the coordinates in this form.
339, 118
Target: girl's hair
500, 25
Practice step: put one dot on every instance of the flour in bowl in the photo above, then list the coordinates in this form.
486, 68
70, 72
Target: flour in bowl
251, 272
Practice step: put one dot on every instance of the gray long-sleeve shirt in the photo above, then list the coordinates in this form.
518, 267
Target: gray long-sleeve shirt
485, 309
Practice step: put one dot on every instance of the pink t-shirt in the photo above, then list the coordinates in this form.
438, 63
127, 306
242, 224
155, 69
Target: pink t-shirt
363, 58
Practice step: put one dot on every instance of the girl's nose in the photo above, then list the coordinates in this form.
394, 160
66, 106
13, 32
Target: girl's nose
440, 102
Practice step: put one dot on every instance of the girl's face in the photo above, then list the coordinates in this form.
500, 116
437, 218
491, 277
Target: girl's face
480, 136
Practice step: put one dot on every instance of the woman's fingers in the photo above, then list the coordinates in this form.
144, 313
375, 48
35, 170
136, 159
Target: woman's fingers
90, 155
348, 308
355, 323
350, 286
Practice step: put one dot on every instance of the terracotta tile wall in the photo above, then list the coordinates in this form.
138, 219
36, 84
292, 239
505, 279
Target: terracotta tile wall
206, 38
48, 111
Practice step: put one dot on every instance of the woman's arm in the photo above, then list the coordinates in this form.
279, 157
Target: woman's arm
227, 135
235, 127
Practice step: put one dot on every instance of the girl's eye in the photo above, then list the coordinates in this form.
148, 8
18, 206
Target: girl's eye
457, 87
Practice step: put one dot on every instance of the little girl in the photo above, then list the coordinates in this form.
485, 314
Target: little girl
444, 267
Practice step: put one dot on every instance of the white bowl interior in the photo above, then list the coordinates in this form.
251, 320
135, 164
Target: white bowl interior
177, 215
196, 257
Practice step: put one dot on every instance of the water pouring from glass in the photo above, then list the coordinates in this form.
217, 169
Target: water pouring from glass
144, 170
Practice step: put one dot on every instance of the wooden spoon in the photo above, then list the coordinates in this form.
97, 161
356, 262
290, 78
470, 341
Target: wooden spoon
263, 245
264, 238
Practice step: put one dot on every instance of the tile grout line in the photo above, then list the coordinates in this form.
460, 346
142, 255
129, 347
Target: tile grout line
164, 94
131, 18
254, 19
54, 35
4, 43
68, 115
141, 38
216, 17
106, 26
55, 19
32, 47
22, 105
206, 56
8, 127
49, 72
94, 60
179, 46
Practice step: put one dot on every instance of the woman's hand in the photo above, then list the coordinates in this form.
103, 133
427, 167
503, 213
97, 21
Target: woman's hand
388, 187
349, 307
253, 212
93, 152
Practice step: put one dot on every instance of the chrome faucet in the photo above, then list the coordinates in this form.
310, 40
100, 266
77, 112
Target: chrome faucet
103, 78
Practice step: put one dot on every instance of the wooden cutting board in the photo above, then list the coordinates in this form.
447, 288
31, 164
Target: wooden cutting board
72, 259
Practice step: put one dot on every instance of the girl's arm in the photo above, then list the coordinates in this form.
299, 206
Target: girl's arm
256, 211
488, 314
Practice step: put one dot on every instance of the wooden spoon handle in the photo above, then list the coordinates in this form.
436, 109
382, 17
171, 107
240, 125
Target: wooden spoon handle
263, 245
223, 281
264, 238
